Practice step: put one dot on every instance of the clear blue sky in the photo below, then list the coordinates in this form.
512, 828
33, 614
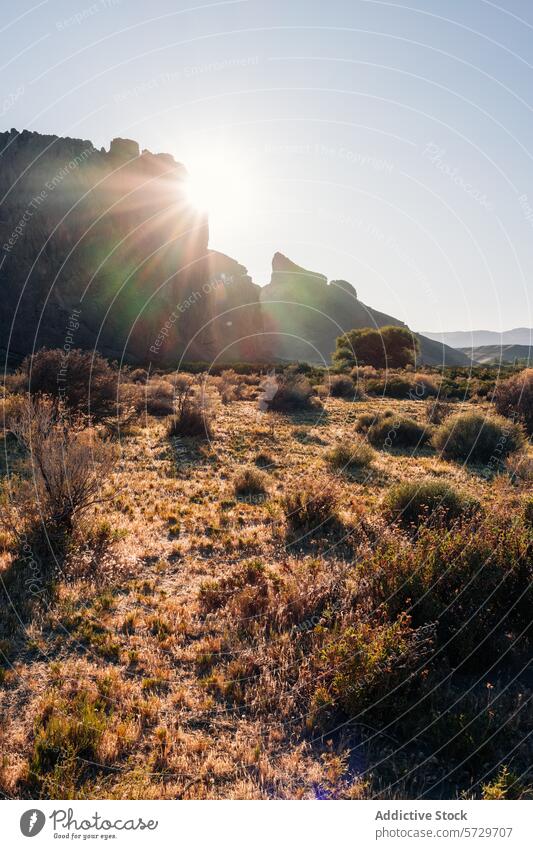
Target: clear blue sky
388, 144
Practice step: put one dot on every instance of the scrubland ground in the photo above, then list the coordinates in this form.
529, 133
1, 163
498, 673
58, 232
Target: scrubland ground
227, 647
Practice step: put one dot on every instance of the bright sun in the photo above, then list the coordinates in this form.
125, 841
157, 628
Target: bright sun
218, 185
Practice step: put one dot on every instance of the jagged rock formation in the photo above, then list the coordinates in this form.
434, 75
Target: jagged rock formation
101, 249
112, 236
304, 314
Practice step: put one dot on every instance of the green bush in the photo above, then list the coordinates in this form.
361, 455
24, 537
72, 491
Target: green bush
476, 438
413, 503
392, 432
384, 347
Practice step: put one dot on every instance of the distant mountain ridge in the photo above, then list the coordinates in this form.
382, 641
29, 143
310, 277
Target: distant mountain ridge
490, 354
463, 339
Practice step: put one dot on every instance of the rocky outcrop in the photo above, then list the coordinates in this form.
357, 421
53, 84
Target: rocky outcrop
111, 235
304, 314
101, 249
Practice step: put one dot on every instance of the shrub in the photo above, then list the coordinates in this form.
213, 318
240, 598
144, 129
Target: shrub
391, 346
232, 386
514, 398
366, 420
311, 507
520, 467
190, 421
350, 456
528, 512
507, 785
342, 386
288, 393
249, 482
393, 386
193, 414
391, 432
159, 397
138, 375
83, 380
369, 665
437, 411
424, 386
474, 581
67, 462
431, 501
474, 437
264, 460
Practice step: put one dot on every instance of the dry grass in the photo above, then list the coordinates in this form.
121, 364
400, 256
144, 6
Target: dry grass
214, 659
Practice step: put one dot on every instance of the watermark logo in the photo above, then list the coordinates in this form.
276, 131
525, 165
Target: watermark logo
32, 822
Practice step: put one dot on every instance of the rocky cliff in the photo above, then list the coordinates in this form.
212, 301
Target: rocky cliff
101, 249
109, 237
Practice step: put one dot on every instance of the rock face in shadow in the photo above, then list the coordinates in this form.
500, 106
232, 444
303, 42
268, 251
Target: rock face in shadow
303, 315
102, 250
111, 235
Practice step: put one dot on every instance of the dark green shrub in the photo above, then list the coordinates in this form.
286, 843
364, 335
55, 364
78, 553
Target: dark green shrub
369, 666
475, 438
413, 503
384, 347
366, 420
